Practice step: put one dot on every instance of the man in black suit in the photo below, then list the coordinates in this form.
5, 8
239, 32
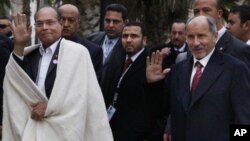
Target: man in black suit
226, 42
7, 43
176, 45
54, 86
124, 89
70, 20
239, 23
115, 17
208, 92
4, 57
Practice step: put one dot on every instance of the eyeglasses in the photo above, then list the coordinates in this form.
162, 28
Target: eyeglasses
46, 22
2, 26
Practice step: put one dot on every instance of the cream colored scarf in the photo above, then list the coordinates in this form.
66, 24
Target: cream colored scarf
75, 111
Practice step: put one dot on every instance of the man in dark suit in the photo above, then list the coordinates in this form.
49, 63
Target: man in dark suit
115, 17
239, 23
70, 20
124, 89
4, 57
7, 43
176, 45
209, 91
226, 42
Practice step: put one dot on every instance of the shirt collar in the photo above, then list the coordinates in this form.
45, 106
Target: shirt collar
221, 32
114, 40
133, 58
248, 42
181, 49
204, 60
51, 48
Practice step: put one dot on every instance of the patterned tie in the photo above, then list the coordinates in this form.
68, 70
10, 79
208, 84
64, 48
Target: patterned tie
197, 77
127, 63
108, 46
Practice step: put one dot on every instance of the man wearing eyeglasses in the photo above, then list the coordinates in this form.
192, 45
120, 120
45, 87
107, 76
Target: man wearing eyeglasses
50, 90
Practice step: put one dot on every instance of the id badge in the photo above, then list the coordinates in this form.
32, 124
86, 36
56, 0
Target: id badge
111, 111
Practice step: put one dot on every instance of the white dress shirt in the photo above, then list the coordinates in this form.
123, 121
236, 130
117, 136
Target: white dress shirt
44, 62
203, 61
221, 32
248, 42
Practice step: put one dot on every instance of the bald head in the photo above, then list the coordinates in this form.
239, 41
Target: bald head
70, 20
69, 8
49, 9
200, 19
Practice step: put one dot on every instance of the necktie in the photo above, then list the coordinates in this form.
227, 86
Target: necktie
108, 46
197, 77
127, 63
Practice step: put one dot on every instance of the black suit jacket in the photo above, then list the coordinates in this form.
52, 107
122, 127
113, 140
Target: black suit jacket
30, 65
4, 57
115, 55
171, 58
6, 43
94, 49
221, 98
229, 44
131, 122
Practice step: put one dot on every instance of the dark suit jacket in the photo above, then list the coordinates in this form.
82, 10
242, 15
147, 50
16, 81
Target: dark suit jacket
131, 121
221, 98
229, 44
30, 65
171, 58
6, 43
112, 58
4, 57
94, 49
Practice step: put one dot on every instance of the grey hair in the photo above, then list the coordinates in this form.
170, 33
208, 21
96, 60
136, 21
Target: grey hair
210, 21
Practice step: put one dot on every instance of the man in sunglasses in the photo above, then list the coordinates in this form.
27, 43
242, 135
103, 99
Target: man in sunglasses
4, 27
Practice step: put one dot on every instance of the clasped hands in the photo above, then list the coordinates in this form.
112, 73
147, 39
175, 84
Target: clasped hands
38, 111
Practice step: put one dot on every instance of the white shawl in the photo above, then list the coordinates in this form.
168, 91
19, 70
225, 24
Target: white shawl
75, 111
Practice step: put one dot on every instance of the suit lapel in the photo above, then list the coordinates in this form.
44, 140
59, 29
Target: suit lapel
184, 79
113, 52
209, 76
34, 64
53, 62
139, 62
222, 42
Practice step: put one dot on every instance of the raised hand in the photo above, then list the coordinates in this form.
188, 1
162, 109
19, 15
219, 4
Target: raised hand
154, 70
21, 32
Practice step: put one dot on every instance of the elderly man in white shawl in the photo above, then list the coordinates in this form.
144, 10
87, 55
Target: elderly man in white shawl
50, 90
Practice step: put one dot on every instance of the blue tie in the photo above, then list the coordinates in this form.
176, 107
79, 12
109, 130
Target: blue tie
108, 46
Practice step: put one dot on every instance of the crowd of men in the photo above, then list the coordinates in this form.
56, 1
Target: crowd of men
112, 86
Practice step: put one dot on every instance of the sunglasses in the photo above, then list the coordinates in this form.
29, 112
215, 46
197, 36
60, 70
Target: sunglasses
2, 26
